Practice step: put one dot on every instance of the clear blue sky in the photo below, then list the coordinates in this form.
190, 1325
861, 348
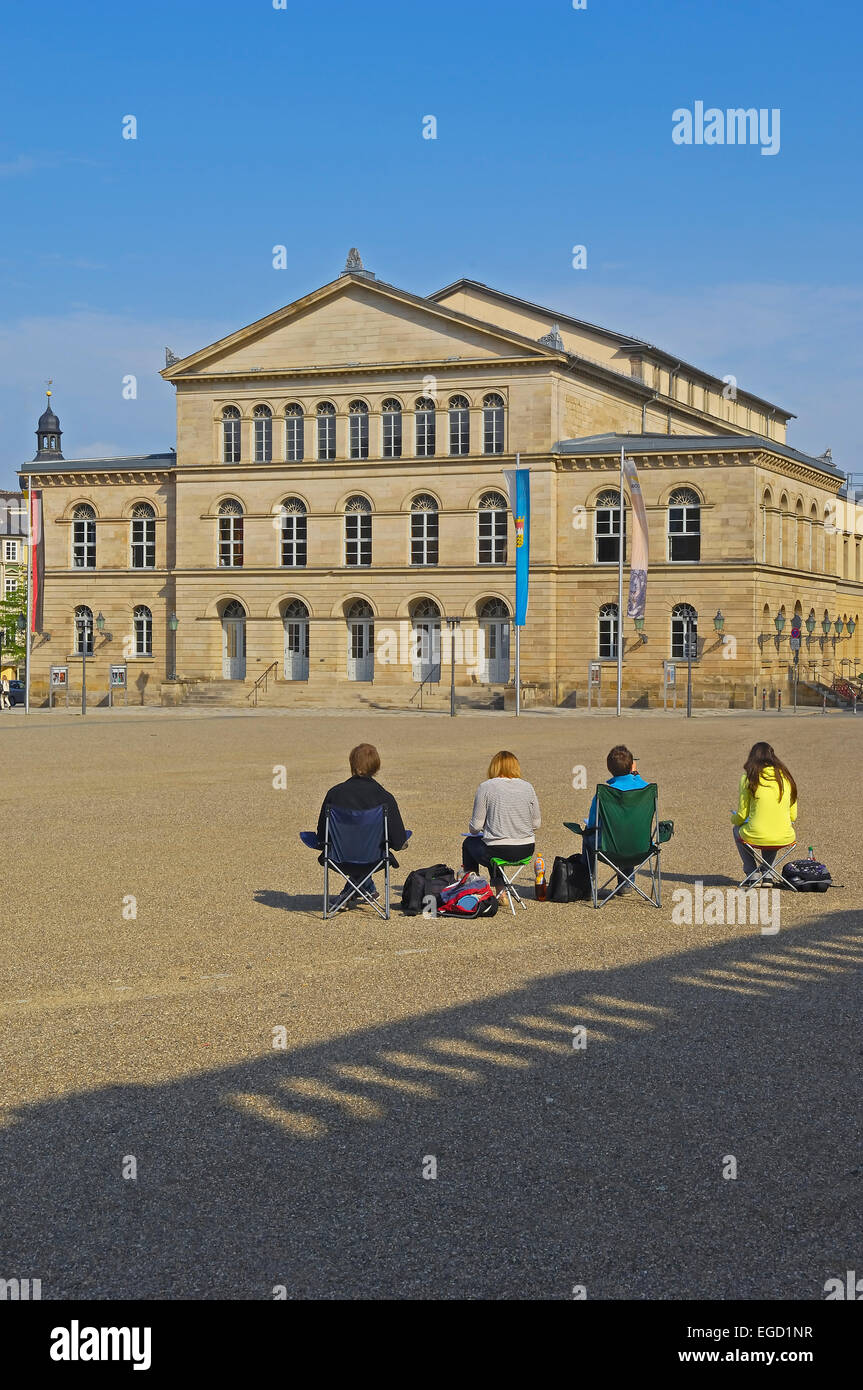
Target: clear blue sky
303, 126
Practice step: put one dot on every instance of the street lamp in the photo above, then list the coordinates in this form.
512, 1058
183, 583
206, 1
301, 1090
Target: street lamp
100, 622
719, 622
85, 633
779, 623
825, 626
690, 622
838, 626
851, 625
173, 624
810, 623
453, 624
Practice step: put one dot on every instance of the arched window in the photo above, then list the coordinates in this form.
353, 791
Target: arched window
766, 505
684, 526
83, 537
391, 420
684, 632
607, 632
263, 419
293, 532
294, 440
230, 534
492, 424
607, 529
230, 434
143, 536
424, 420
783, 525
459, 425
83, 631
358, 531
813, 522
799, 540
326, 430
358, 416
491, 529
424, 530
142, 619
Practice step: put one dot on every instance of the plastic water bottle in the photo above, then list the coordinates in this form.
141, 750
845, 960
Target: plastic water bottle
539, 883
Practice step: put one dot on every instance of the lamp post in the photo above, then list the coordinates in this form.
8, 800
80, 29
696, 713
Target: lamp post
173, 624
453, 624
689, 624
85, 632
719, 624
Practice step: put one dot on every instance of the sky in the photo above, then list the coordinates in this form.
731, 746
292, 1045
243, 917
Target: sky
302, 126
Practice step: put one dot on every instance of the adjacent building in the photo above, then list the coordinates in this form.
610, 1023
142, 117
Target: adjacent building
336, 504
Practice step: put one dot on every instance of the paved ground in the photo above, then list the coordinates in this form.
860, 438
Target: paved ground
413, 1039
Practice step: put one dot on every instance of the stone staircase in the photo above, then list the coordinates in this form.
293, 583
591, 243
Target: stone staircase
282, 694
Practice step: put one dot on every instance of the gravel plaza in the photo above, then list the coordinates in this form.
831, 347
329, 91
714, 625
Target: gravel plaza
161, 920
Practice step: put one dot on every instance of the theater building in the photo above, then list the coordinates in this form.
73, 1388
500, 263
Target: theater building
336, 500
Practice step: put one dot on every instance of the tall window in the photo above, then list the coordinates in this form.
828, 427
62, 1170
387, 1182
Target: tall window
684, 632
84, 537
684, 526
424, 420
391, 419
424, 531
293, 532
358, 531
143, 621
608, 632
11, 551
491, 529
230, 534
143, 536
230, 434
607, 529
83, 630
492, 424
326, 430
358, 415
294, 440
459, 425
263, 419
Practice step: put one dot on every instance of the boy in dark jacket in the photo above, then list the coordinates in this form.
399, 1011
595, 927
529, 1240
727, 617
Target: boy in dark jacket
360, 793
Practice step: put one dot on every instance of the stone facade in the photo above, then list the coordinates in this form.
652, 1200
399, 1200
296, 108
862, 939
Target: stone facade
223, 505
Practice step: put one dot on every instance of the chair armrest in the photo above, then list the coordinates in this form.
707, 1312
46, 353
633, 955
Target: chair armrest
575, 827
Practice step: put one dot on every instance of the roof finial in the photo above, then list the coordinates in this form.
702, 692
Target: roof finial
354, 260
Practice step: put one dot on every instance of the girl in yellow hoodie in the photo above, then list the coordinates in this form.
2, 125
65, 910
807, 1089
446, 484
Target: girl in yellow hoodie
767, 806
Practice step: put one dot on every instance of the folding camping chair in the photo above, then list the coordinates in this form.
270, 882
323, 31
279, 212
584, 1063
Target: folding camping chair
765, 872
358, 840
627, 839
509, 880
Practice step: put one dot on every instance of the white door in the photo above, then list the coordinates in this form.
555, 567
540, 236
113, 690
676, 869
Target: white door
361, 656
296, 649
495, 666
426, 651
234, 649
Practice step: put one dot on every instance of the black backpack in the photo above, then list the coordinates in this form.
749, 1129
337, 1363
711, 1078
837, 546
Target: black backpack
807, 875
570, 879
425, 883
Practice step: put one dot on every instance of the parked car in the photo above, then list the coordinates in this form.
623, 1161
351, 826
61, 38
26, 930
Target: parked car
16, 692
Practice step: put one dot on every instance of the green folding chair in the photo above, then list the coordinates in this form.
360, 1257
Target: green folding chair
508, 885
628, 838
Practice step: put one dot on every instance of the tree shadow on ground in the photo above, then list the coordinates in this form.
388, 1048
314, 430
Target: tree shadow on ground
556, 1164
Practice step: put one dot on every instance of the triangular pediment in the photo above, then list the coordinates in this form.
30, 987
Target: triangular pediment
356, 322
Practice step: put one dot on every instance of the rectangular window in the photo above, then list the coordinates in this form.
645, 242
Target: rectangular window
358, 538
359, 432
11, 552
392, 423
492, 430
294, 547
143, 635
459, 431
294, 440
263, 440
684, 534
84, 545
492, 538
11, 584
424, 538
230, 541
608, 536
326, 436
231, 441
143, 543
425, 426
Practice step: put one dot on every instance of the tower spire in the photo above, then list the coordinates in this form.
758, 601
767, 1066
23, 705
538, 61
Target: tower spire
48, 431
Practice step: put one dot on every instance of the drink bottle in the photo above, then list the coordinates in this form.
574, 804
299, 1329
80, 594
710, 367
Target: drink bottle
811, 854
539, 883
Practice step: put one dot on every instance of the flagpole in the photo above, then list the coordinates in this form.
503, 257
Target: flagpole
517, 637
29, 592
620, 542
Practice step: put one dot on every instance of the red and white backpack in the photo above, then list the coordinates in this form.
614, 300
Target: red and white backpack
470, 897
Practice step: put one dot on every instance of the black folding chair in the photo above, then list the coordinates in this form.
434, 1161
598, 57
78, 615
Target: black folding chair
356, 841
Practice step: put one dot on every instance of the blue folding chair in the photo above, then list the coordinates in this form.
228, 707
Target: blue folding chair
358, 840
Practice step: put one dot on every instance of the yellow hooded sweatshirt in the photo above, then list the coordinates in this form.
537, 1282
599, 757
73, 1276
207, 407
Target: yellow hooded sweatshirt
766, 818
